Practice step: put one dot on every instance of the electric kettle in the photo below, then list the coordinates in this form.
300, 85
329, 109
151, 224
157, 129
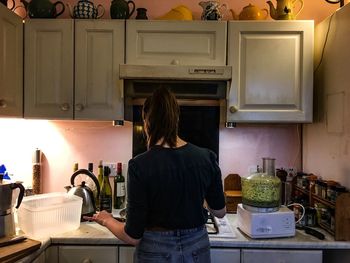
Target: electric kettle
84, 191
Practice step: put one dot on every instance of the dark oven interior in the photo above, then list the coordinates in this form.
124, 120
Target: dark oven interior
198, 125
201, 109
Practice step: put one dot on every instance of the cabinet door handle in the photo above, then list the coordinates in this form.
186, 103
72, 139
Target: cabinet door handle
65, 107
233, 109
175, 62
79, 107
3, 104
86, 260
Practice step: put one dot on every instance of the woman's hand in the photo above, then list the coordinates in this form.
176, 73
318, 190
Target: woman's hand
100, 217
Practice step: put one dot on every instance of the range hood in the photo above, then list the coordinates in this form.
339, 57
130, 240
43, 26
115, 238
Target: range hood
191, 83
175, 72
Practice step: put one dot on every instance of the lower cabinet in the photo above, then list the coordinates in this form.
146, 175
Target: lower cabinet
225, 255
126, 254
281, 256
87, 254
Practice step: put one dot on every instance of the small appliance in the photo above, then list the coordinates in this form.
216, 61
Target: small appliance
7, 223
280, 223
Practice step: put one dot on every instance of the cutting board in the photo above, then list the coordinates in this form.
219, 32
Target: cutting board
14, 252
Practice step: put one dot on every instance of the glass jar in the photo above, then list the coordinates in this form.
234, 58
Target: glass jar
261, 190
318, 188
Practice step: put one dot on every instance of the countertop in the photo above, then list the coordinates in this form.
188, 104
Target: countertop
90, 233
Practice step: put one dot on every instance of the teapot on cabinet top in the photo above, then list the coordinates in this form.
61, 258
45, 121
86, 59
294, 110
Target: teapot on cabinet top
284, 9
250, 12
212, 10
42, 8
120, 9
86, 9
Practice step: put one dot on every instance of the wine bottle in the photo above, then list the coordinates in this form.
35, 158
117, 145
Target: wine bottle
75, 167
119, 188
100, 173
106, 191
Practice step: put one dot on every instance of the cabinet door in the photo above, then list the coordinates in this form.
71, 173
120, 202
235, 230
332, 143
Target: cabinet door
176, 42
99, 49
272, 71
11, 64
126, 254
48, 68
91, 254
224, 255
278, 256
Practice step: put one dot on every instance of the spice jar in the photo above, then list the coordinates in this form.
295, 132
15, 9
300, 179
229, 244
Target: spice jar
331, 190
318, 187
310, 216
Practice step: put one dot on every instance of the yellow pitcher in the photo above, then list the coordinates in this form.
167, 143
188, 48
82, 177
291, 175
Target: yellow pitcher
285, 9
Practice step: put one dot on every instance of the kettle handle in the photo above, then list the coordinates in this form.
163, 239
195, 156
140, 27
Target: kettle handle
21, 192
88, 173
301, 6
62, 10
132, 9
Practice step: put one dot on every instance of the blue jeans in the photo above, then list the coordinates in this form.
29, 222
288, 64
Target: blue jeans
183, 245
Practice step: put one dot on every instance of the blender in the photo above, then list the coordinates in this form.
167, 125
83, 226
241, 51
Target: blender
261, 215
7, 224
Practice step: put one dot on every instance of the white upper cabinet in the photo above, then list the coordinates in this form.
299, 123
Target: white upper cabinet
176, 42
11, 64
272, 71
72, 69
99, 49
48, 69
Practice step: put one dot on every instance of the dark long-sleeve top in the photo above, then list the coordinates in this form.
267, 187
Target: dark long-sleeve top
166, 188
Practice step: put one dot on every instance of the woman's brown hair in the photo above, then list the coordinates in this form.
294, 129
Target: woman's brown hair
160, 114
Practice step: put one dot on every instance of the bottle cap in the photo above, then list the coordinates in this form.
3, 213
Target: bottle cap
106, 171
119, 168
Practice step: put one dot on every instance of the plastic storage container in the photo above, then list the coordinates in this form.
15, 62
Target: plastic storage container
46, 214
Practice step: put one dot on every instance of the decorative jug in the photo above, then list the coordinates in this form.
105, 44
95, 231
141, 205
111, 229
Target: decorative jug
120, 9
86, 9
42, 8
4, 2
141, 13
284, 9
212, 10
250, 12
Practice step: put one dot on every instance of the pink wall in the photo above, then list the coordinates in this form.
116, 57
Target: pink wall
66, 142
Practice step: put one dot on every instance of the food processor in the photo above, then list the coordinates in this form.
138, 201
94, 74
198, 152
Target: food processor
261, 215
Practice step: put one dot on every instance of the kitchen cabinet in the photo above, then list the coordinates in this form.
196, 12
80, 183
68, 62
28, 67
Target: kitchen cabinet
225, 255
48, 68
176, 42
88, 254
277, 256
40, 259
272, 71
72, 69
11, 64
126, 254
